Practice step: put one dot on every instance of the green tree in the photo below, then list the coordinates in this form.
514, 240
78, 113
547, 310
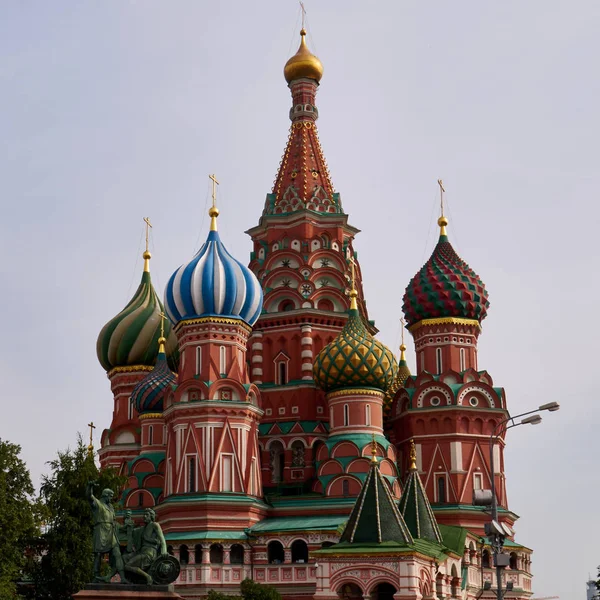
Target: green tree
65, 564
19, 517
258, 591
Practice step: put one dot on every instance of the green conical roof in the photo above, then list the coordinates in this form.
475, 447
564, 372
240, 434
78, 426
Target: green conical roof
415, 507
375, 517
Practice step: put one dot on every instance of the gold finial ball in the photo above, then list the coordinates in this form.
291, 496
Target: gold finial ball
442, 221
402, 348
146, 255
303, 64
353, 294
213, 212
162, 340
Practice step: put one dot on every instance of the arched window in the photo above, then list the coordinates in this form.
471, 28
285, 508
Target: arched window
236, 555
454, 583
368, 414
198, 360
150, 436
346, 415
141, 499
439, 586
286, 306
222, 360
184, 555
345, 488
422, 361
298, 454
299, 552
130, 409
216, 554
275, 553
441, 489
513, 561
198, 554
438, 360
282, 376
485, 559
462, 359
170, 550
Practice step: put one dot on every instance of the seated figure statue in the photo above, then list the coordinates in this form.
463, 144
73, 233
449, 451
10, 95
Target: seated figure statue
147, 542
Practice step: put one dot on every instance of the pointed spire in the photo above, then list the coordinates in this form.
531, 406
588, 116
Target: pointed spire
375, 517
415, 507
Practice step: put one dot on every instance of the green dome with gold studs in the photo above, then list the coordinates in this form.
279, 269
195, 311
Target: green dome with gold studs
354, 359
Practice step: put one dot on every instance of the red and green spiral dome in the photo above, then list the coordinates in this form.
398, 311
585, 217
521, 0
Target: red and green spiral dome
445, 287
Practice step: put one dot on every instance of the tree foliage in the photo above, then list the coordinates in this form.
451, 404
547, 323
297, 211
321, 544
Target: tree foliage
250, 591
19, 517
66, 559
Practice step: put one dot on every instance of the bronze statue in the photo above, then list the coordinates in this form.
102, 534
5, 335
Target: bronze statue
105, 537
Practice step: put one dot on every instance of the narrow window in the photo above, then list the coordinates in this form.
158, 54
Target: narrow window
222, 356
438, 360
130, 410
441, 490
150, 436
199, 360
477, 481
345, 488
192, 474
462, 359
368, 414
253, 477
422, 361
282, 373
140, 499
346, 415
227, 474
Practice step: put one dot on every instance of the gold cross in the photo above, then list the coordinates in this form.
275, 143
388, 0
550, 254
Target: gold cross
91, 446
148, 227
303, 13
215, 183
162, 324
402, 324
352, 265
442, 190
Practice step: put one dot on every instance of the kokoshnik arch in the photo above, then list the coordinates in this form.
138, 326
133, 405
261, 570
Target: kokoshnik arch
277, 438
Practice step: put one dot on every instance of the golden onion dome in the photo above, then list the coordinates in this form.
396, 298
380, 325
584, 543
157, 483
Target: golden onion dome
303, 63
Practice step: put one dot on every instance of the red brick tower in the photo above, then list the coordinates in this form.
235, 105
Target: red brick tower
302, 246
449, 407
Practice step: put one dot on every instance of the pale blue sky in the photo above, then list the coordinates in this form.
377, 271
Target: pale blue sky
112, 111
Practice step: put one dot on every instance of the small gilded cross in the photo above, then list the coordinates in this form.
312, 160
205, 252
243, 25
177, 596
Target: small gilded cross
442, 190
163, 318
303, 13
352, 271
91, 446
215, 183
148, 227
402, 325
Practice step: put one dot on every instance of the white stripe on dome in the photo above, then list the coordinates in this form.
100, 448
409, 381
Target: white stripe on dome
220, 290
176, 287
241, 290
195, 291
256, 300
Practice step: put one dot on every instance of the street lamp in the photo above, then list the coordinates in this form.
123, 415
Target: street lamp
496, 531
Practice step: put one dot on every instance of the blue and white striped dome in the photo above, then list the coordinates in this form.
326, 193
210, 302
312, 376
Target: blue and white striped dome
213, 283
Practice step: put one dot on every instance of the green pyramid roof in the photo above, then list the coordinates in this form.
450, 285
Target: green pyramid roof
415, 507
375, 517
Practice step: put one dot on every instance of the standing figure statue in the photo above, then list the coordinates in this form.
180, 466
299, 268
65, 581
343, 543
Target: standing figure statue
105, 538
149, 542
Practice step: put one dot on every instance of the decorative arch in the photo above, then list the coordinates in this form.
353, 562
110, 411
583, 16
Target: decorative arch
424, 399
478, 391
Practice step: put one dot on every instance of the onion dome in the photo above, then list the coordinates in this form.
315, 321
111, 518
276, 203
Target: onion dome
445, 287
148, 395
303, 63
415, 507
130, 338
354, 358
213, 283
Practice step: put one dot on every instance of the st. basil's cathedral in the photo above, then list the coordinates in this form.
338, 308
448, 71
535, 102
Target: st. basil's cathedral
278, 439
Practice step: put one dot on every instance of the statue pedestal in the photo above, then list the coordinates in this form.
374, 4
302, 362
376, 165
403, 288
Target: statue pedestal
104, 591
